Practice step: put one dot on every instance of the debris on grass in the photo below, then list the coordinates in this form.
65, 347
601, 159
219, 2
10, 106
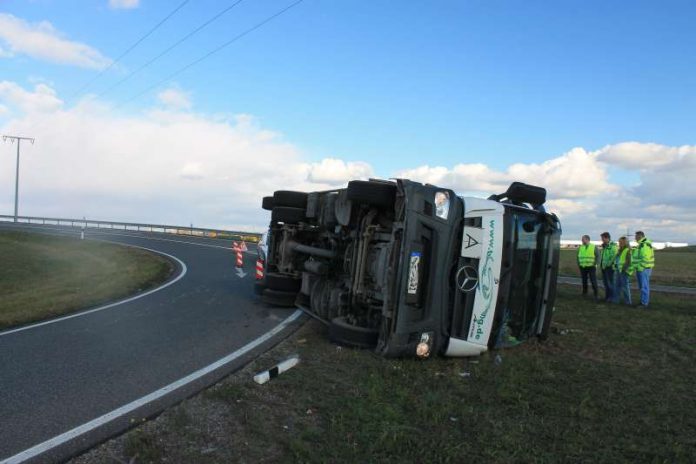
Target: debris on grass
264, 376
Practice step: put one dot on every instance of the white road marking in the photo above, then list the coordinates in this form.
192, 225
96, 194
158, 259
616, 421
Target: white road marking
184, 269
132, 406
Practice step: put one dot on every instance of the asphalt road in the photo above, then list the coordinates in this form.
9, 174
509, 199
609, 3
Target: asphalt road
71, 383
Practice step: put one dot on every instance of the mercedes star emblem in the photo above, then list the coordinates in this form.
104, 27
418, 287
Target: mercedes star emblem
467, 279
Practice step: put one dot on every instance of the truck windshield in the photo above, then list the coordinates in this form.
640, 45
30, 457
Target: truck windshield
529, 255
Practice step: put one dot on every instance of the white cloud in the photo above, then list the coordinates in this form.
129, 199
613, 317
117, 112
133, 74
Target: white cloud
192, 171
124, 4
565, 207
575, 174
42, 99
163, 166
644, 156
661, 203
666, 173
175, 166
174, 98
581, 193
335, 172
42, 41
475, 177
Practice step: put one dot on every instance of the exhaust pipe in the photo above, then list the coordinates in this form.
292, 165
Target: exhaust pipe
313, 251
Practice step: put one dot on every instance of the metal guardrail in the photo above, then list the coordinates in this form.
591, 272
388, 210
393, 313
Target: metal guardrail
134, 226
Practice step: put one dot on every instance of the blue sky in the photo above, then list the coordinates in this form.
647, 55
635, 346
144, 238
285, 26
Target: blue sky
401, 84
414, 80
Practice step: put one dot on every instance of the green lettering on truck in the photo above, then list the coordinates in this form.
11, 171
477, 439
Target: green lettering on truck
486, 281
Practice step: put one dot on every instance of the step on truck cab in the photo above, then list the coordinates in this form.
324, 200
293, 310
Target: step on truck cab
409, 269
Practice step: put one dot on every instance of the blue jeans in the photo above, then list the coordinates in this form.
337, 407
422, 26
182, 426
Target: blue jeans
622, 289
608, 281
643, 278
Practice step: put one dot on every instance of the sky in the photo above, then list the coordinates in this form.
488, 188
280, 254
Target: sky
593, 100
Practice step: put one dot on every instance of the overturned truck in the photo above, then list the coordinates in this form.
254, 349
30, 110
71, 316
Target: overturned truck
414, 270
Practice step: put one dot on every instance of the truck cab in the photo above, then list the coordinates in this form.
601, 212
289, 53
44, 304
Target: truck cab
408, 269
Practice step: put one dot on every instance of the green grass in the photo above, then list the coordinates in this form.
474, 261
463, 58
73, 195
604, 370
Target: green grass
672, 267
42, 276
688, 249
618, 386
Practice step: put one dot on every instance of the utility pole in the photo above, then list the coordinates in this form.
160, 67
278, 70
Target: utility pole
19, 141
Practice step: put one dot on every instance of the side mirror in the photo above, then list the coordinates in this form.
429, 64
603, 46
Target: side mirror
519, 192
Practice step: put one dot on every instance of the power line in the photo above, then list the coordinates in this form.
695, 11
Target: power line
210, 53
130, 49
171, 47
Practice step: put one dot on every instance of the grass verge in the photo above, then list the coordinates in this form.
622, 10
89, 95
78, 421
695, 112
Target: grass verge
43, 276
613, 384
672, 267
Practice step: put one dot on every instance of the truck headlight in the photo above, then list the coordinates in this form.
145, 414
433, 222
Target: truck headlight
425, 345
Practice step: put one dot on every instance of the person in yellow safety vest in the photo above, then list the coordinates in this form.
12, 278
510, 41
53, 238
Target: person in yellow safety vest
623, 269
606, 264
643, 263
588, 255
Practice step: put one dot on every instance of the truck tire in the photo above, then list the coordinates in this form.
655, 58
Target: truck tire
276, 281
278, 298
343, 333
287, 215
290, 198
380, 194
267, 203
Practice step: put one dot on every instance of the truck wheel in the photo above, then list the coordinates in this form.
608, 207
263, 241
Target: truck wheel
287, 215
380, 194
341, 332
267, 203
276, 281
290, 198
278, 298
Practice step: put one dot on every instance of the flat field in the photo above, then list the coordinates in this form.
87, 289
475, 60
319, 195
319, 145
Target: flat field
672, 267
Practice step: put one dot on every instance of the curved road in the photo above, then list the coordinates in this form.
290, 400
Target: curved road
70, 383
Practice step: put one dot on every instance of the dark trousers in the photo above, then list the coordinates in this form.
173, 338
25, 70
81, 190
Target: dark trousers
609, 283
591, 273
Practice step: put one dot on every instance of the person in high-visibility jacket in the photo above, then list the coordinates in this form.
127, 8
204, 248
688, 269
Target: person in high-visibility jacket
643, 263
588, 256
606, 264
623, 270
